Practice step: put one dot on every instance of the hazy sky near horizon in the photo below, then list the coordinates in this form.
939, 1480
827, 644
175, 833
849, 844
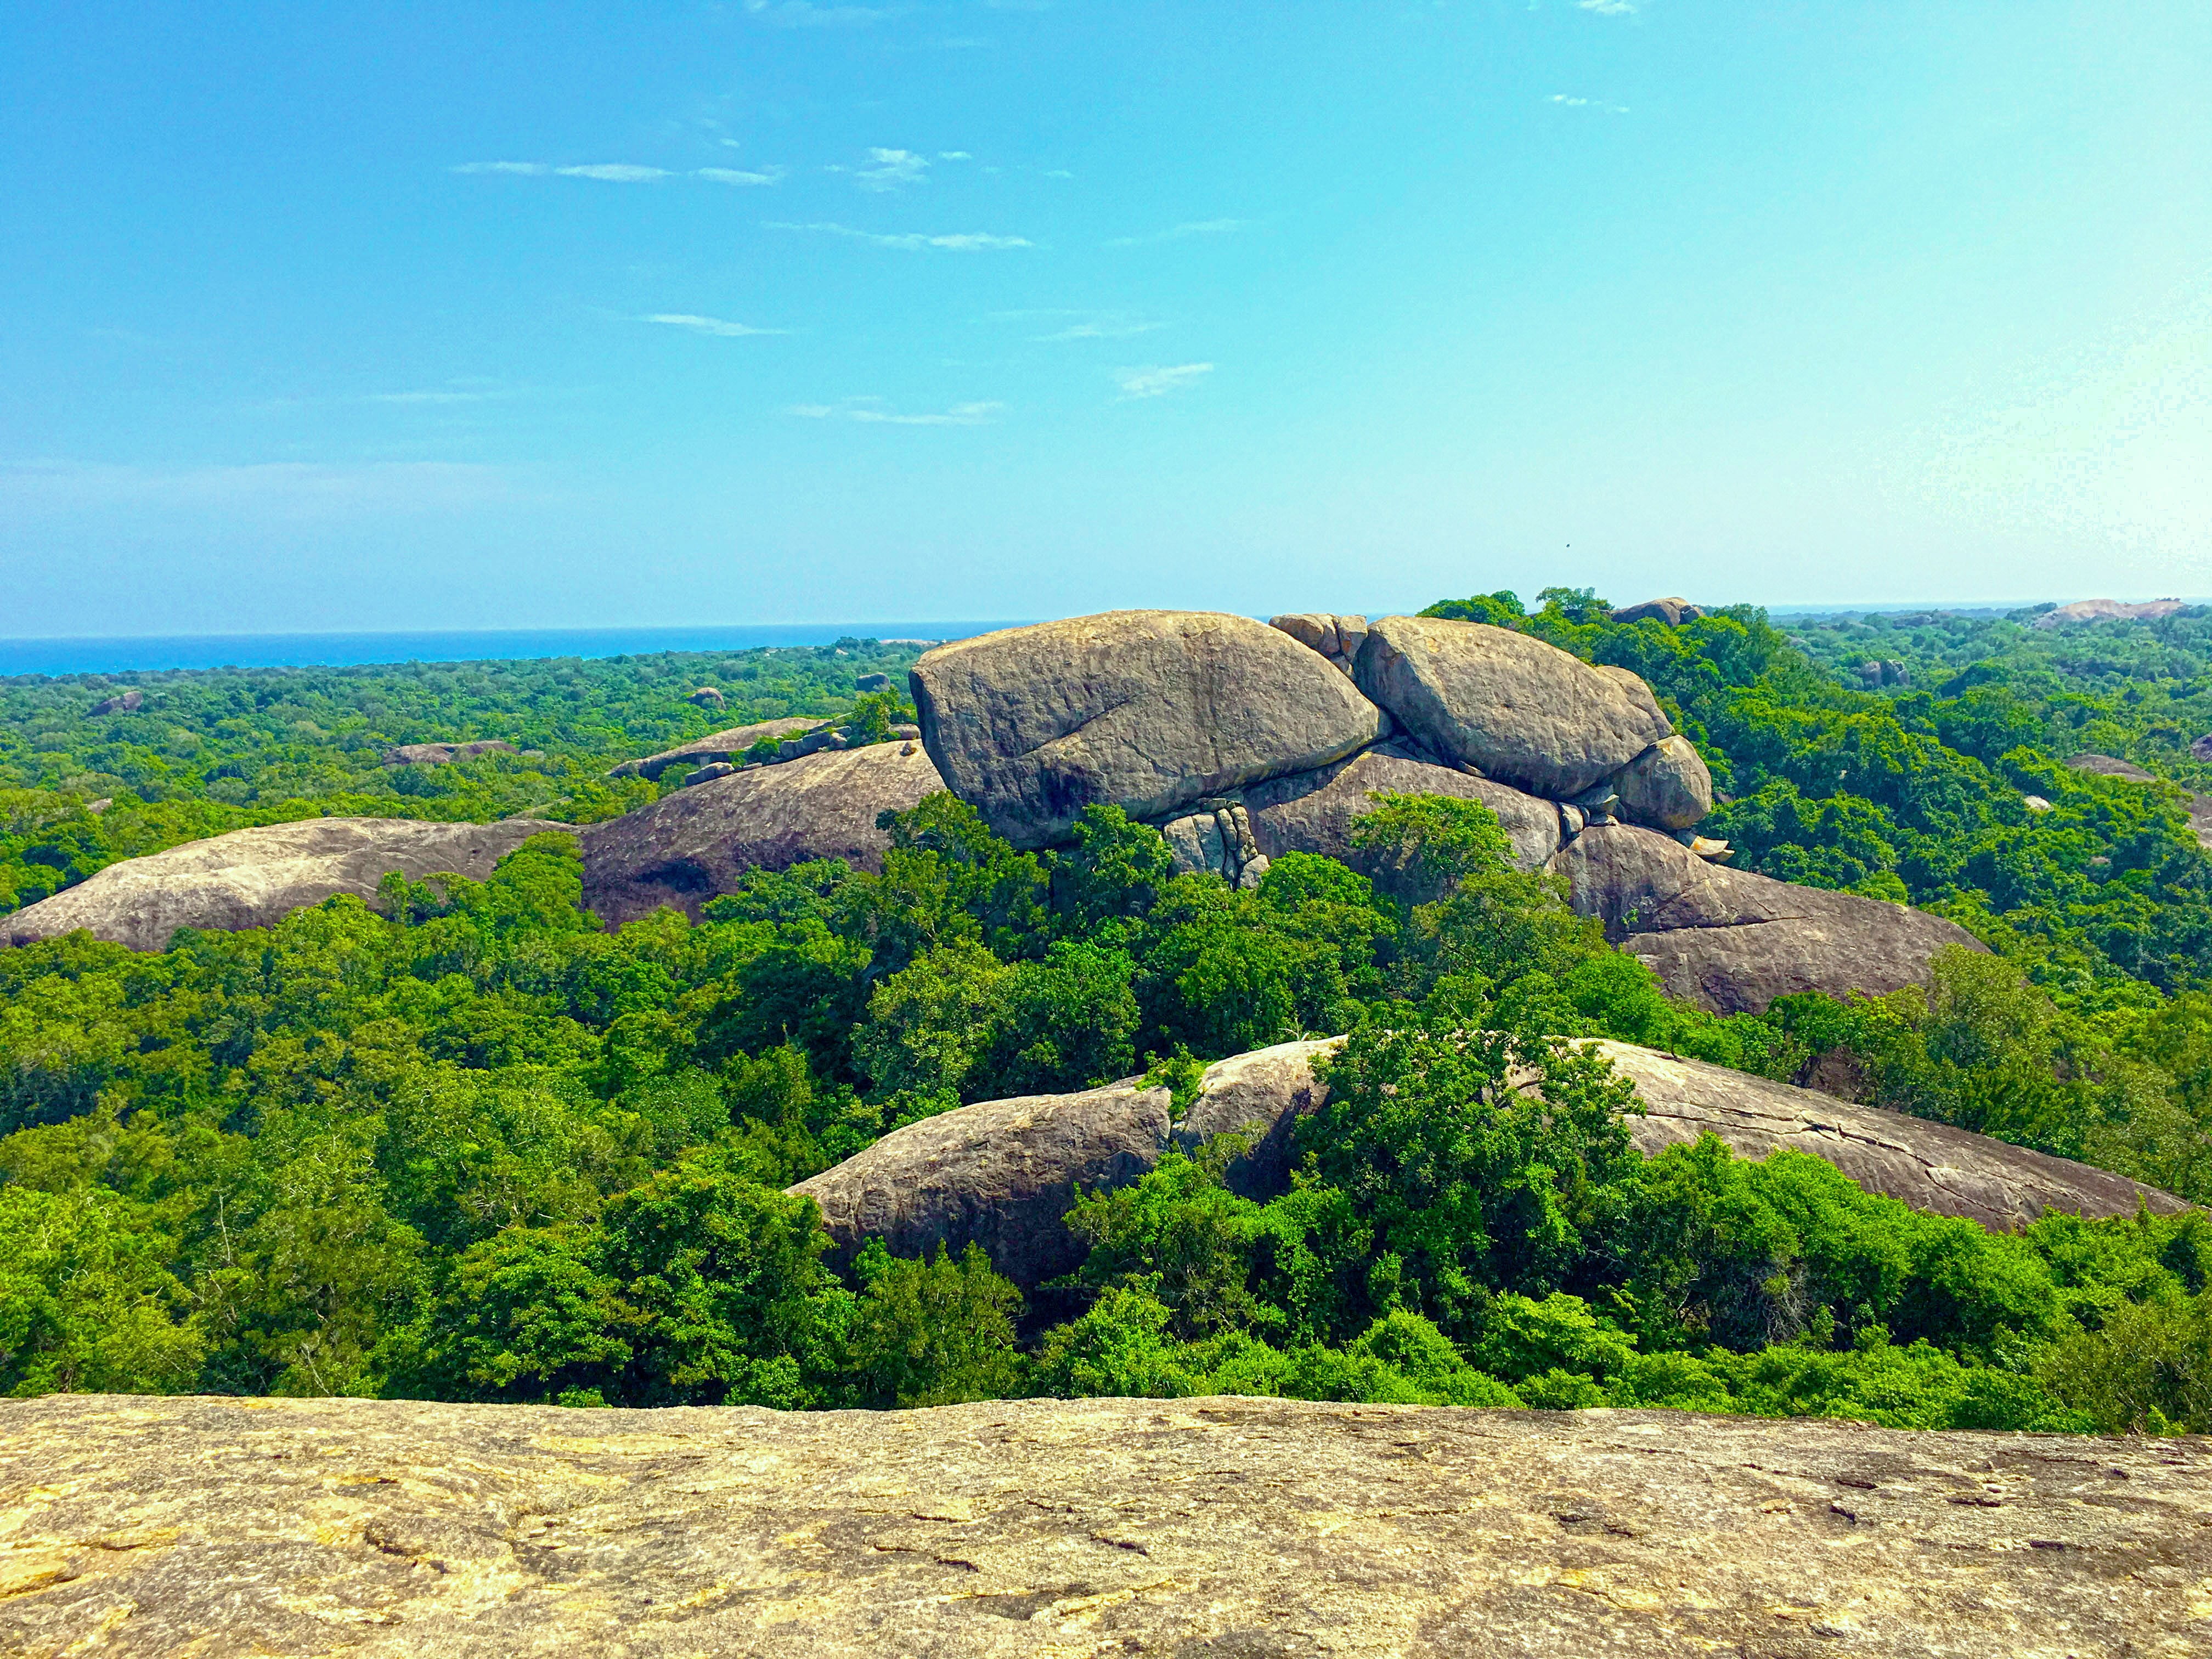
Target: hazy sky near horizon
563, 314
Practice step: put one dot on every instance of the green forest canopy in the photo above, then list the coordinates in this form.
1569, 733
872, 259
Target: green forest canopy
476, 1147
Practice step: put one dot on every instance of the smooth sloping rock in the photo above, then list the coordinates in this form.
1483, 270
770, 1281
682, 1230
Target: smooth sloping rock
1732, 941
714, 746
123, 702
255, 878
1313, 813
1223, 1528
2088, 611
687, 847
1667, 787
1260, 1095
1521, 711
1674, 610
1000, 1174
1146, 710
1931, 1166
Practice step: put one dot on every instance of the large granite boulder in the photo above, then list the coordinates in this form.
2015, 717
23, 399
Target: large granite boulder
2089, 611
1666, 786
1731, 941
445, 754
1146, 710
714, 746
1221, 1528
688, 847
1000, 1174
1674, 610
255, 878
1314, 812
1517, 709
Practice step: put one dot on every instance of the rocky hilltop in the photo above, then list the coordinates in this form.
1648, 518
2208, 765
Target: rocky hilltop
1219, 1528
1240, 740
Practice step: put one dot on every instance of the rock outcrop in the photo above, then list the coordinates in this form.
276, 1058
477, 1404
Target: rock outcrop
1147, 710
255, 878
1338, 638
1224, 1527
688, 847
1732, 941
1313, 811
1667, 787
714, 746
123, 702
445, 754
2198, 807
1003, 1173
1674, 610
2086, 610
1932, 1167
1515, 708
1000, 1174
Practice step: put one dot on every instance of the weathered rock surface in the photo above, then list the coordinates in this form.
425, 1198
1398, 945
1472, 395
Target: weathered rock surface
2085, 611
1518, 710
1674, 610
1931, 1166
1000, 1174
445, 754
688, 847
1225, 1527
1147, 710
1732, 941
256, 878
1667, 787
1313, 811
123, 702
714, 746
1260, 1095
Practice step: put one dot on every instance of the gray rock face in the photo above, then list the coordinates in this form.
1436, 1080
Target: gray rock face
692, 846
1930, 1166
445, 754
872, 683
1260, 1095
1666, 786
256, 878
1147, 710
1674, 611
1517, 709
123, 702
1732, 941
1000, 1174
1212, 1529
2088, 611
1313, 813
714, 746
1217, 837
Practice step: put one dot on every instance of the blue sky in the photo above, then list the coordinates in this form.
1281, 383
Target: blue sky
564, 315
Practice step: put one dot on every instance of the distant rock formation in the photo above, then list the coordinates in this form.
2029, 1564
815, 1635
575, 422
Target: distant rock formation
706, 696
123, 702
872, 685
445, 754
1003, 1173
2088, 611
1674, 611
686, 847
1874, 674
728, 745
256, 878
1220, 1527
2198, 807
1732, 941
1148, 710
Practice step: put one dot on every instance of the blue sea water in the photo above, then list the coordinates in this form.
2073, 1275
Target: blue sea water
151, 653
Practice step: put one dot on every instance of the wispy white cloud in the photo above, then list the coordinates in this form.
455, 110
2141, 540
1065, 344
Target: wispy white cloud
1101, 328
1567, 102
1175, 232
954, 156
623, 172
738, 175
958, 242
889, 169
800, 14
1608, 8
875, 411
715, 326
1155, 380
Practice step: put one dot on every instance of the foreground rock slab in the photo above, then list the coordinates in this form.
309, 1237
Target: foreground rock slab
1732, 941
1146, 710
687, 847
256, 878
1198, 1529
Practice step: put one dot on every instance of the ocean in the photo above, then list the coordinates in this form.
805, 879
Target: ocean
151, 652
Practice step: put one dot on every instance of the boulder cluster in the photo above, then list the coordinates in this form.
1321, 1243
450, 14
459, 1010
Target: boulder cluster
1240, 740
445, 754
